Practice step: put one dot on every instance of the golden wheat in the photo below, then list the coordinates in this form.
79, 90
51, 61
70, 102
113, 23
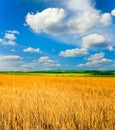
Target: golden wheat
56, 103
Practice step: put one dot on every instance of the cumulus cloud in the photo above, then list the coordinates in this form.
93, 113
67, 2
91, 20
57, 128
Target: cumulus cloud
43, 63
9, 38
52, 21
110, 48
9, 42
106, 19
96, 60
113, 12
10, 58
94, 41
96, 57
48, 21
73, 52
30, 49
83, 22
79, 5
77, 17
45, 59
47, 62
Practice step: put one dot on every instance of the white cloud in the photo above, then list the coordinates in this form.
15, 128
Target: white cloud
96, 57
84, 22
81, 18
13, 32
45, 59
7, 42
12, 43
10, 62
26, 67
46, 21
106, 19
10, 36
79, 5
110, 48
30, 49
47, 62
9, 66
96, 60
52, 21
73, 52
94, 41
10, 58
113, 12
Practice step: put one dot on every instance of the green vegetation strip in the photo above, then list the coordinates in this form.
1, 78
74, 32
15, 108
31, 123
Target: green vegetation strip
76, 73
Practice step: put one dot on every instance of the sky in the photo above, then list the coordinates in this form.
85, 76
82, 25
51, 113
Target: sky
57, 35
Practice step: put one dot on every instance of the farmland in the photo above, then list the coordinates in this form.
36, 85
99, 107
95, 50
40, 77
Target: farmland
29, 102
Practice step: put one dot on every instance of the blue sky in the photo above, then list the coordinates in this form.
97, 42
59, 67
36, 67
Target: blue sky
57, 35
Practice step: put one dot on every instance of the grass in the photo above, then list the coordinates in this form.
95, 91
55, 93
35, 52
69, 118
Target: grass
56, 103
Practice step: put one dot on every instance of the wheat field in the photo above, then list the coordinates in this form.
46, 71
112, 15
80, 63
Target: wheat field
56, 103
